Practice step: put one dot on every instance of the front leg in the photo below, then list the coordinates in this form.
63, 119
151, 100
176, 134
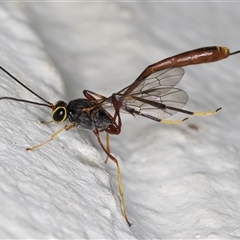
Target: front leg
66, 127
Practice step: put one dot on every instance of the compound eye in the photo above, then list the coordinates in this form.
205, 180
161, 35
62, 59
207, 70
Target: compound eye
59, 114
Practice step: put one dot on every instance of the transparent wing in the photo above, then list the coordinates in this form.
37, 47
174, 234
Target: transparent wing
149, 96
153, 103
168, 77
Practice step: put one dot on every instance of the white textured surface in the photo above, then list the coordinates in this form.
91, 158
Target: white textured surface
179, 182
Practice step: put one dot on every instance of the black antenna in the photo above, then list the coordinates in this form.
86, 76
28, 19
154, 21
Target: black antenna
235, 52
22, 100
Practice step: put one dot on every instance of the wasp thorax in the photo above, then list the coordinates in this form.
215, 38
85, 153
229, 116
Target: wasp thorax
59, 113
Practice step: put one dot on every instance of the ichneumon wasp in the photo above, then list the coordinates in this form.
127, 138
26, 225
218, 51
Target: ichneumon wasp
151, 95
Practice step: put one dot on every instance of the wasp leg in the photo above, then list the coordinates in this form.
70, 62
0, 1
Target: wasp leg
114, 128
120, 185
172, 121
107, 146
202, 114
88, 94
199, 114
66, 127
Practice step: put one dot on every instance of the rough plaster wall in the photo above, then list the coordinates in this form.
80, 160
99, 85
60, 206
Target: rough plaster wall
179, 182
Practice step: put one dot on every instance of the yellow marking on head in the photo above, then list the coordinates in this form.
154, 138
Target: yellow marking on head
59, 114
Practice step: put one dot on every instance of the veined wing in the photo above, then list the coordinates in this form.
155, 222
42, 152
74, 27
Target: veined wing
149, 96
167, 77
154, 103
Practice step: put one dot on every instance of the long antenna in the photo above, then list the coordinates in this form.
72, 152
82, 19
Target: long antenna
27, 101
9, 74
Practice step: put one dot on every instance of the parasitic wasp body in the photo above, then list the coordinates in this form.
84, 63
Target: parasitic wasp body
152, 95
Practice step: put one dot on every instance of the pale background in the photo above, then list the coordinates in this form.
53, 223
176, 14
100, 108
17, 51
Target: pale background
179, 182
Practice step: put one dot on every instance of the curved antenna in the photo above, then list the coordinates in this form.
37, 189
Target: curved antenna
15, 79
27, 101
